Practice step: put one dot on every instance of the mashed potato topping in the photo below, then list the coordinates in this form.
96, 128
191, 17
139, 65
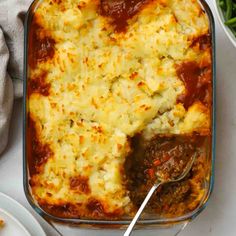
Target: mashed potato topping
93, 86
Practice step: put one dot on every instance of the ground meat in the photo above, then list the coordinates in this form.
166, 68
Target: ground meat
171, 199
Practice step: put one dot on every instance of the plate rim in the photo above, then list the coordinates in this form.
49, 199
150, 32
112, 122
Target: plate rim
25, 212
15, 220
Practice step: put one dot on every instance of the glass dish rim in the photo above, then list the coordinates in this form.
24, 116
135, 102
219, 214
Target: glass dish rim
162, 221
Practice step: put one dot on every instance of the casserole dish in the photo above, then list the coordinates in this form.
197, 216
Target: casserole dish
62, 86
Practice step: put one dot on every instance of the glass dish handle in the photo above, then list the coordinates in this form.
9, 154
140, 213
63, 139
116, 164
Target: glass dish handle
80, 230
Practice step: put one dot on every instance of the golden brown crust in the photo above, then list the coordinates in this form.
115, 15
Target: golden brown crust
99, 74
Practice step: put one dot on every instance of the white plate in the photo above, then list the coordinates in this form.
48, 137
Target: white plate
21, 215
11, 225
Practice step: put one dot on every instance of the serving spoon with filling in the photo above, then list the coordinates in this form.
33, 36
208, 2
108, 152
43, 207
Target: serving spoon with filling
175, 172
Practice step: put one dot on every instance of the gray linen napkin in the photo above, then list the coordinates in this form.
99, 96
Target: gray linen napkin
11, 59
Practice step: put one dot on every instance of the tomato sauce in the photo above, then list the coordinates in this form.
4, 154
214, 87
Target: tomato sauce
39, 85
67, 210
80, 183
37, 153
93, 209
197, 81
203, 42
41, 46
120, 11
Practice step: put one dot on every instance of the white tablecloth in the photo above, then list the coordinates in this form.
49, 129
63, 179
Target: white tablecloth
219, 218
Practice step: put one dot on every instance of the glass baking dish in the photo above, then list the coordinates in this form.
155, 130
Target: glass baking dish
171, 226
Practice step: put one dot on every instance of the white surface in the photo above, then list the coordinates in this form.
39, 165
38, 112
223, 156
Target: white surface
221, 19
11, 225
219, 218
18, 213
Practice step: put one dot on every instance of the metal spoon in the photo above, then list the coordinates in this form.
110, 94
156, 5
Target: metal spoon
181, 176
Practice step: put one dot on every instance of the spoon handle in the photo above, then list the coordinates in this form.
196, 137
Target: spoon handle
140, 210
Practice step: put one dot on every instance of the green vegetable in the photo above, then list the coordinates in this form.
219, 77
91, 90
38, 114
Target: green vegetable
229, 9
222, 4
231, 22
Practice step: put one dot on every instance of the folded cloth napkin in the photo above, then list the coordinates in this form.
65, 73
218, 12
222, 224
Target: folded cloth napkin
12, 14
